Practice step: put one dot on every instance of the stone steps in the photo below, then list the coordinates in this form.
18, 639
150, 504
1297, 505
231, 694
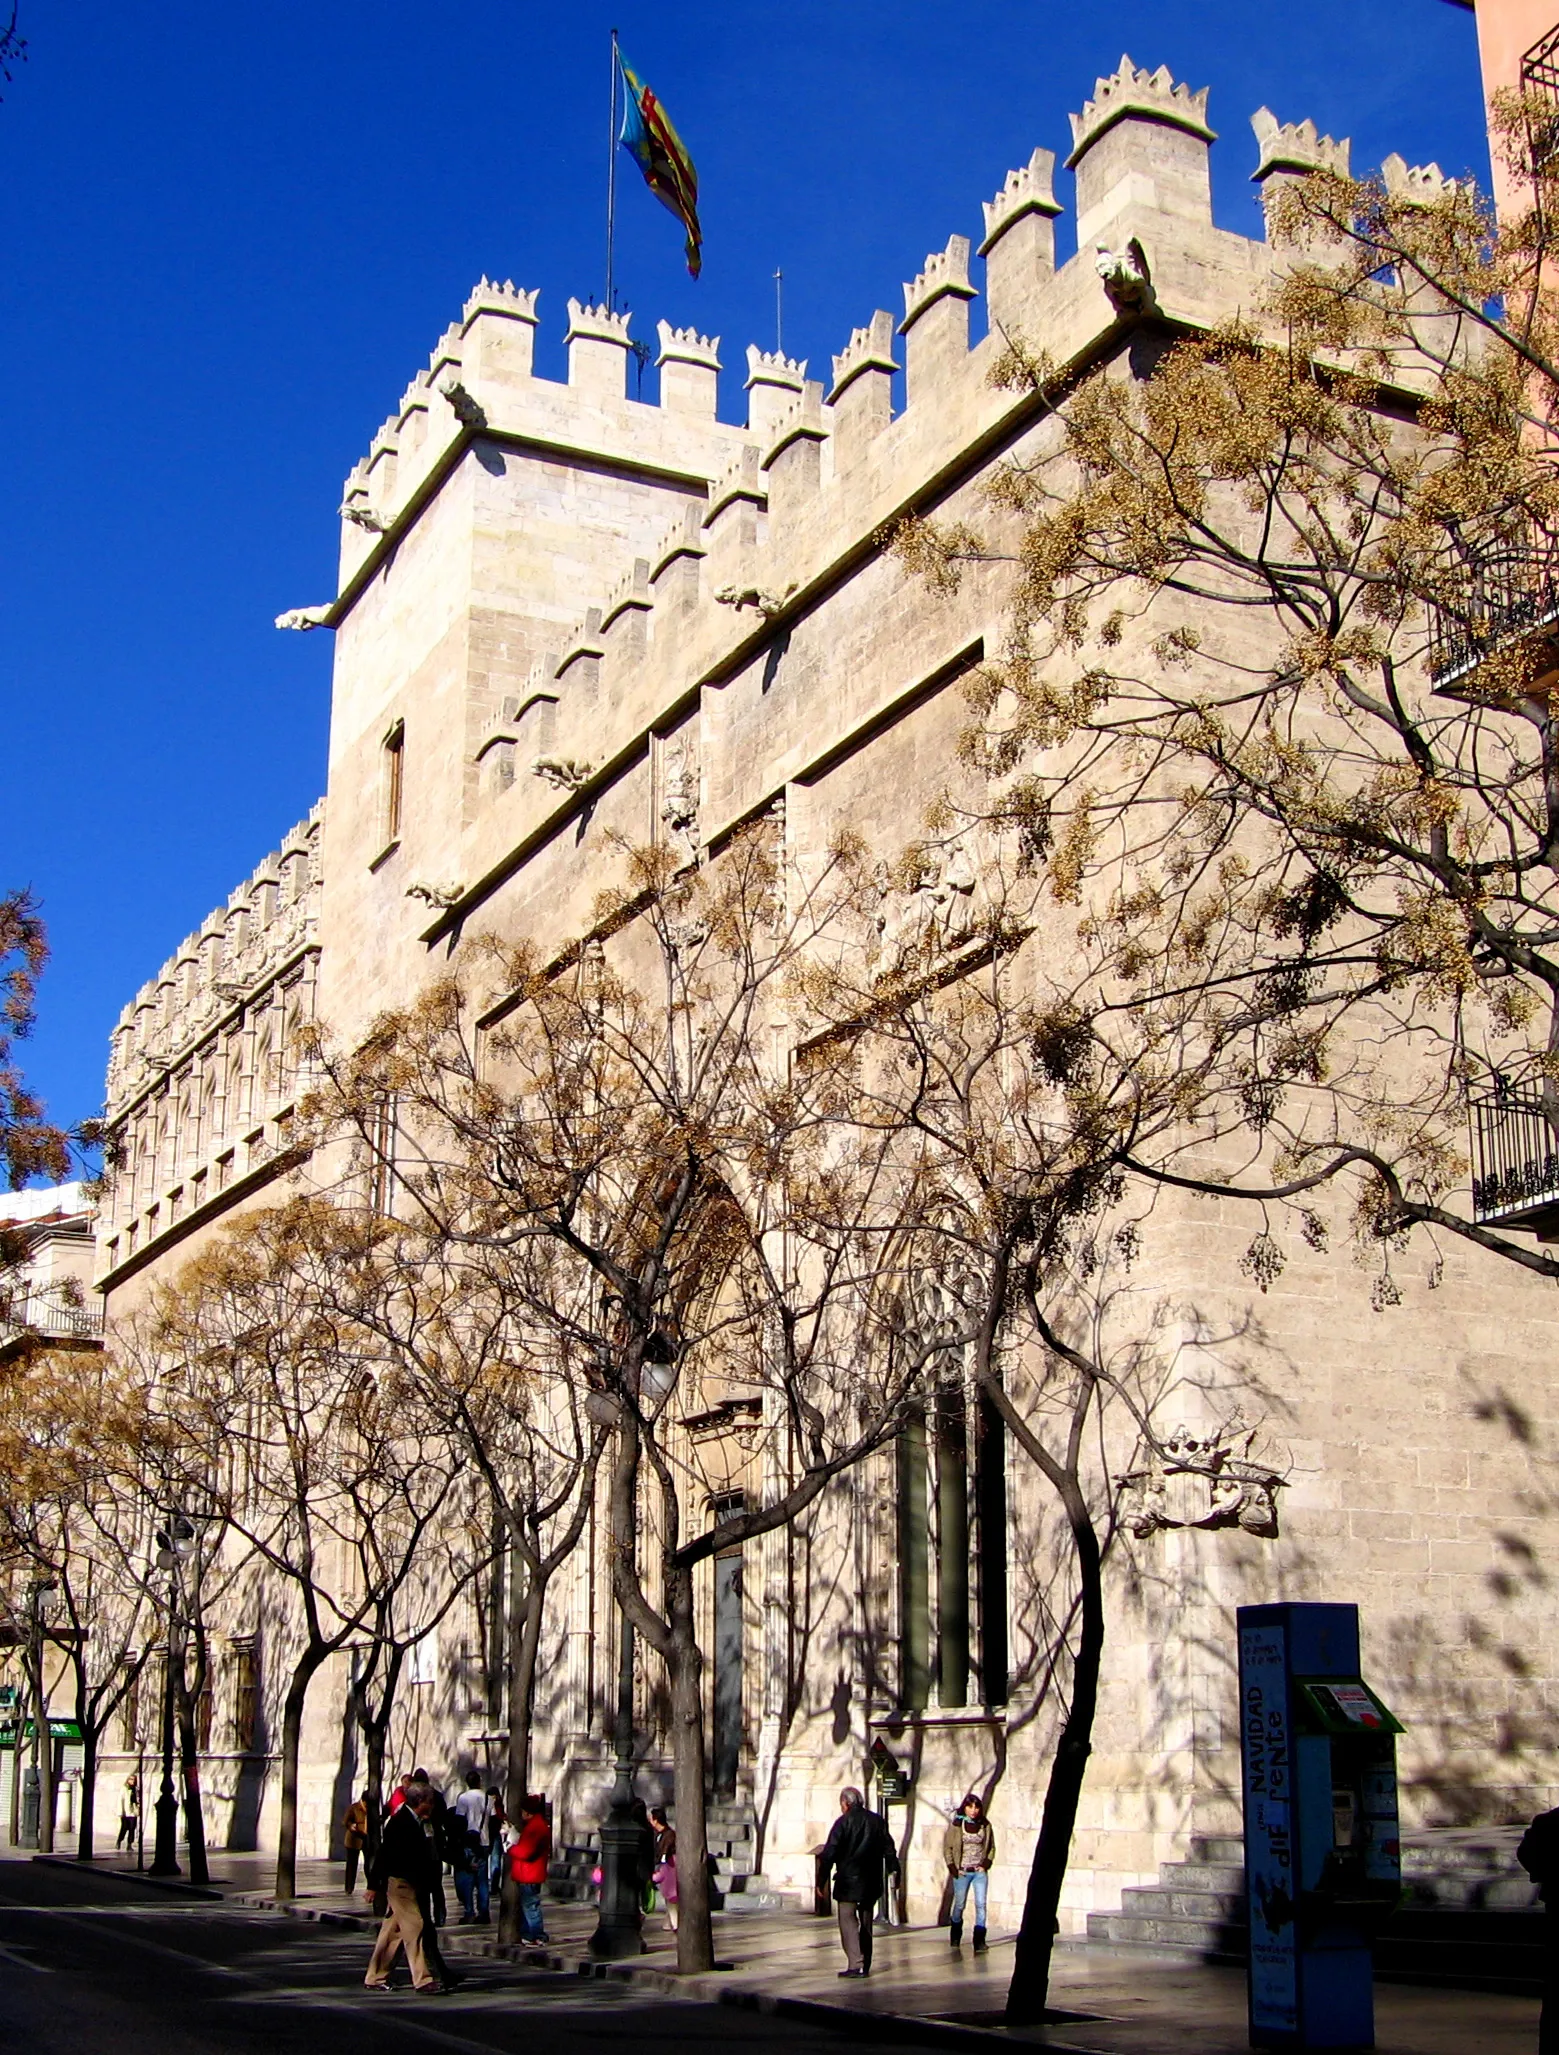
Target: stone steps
731, 1832
1468, 1920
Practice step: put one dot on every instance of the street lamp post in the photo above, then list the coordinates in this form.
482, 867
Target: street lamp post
619, 1927
173, 1544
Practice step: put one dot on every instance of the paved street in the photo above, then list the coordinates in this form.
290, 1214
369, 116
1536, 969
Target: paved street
98, 1960
92, 1963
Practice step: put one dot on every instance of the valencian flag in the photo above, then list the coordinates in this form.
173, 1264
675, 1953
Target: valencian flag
657, 149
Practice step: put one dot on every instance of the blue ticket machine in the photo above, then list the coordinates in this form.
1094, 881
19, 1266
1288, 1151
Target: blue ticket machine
1323, 1859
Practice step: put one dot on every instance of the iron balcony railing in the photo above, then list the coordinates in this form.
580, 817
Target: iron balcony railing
54, 1319
1491, 597
1540, 89
1515, 1154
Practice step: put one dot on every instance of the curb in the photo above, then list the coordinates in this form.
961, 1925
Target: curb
365, 1923
710, 1987
174, 1887
896, 2026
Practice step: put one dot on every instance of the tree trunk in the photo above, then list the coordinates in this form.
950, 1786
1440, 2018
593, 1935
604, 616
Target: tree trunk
695, 1937
375, 1730
375, 1734
1030, 1986
291, 1737
85, 1825
524, 1621
45, 1747
89, 1734
189, 1762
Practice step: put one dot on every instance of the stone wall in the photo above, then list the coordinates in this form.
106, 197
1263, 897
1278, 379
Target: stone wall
573, 615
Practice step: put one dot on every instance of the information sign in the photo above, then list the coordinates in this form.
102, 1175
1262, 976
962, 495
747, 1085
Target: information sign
1269, 1829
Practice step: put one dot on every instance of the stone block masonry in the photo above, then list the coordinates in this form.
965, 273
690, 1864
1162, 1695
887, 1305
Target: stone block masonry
564, 613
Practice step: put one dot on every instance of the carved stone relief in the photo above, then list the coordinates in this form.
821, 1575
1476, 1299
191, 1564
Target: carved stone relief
679, 797
934, 917
1202, 1480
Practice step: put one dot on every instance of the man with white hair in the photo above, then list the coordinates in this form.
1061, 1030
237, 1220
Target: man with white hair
406, 1868
859, 1855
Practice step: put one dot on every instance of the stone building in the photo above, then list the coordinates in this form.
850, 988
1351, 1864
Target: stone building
564, 614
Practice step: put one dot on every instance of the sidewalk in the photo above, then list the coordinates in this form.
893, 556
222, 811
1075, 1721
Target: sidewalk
1121, 2001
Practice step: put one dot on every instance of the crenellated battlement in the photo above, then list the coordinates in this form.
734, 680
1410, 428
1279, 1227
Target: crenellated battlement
1295, 146
944, 272
869, 349
268, 920
1418, 185
729, 521
508, 299
1151, 95
1140, 147
1028, 190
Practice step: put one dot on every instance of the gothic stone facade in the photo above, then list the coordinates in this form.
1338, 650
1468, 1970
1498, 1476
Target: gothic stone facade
565, 614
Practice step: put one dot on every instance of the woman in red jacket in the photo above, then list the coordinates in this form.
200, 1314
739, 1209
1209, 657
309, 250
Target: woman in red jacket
529, 1855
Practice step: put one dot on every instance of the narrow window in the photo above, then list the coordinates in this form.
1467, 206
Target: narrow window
381, 1166
246, 1698
130, 1711
990, 1484
394, 781
952, 1542
914, 1587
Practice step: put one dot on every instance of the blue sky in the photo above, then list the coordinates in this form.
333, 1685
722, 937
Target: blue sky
231, 235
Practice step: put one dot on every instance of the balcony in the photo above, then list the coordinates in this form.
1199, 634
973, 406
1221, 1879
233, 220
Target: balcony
1540, 90
1492, 596
1515, 1159
52, 1320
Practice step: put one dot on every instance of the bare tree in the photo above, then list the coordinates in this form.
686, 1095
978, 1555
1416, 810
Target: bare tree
1276, 713
631, 1112
306, 1428
1020, 1127
456, 1320
73, 1518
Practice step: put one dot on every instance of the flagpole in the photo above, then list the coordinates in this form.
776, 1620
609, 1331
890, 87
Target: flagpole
611, 173
779, 312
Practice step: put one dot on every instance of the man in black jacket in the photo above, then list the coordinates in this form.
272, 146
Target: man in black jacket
1538, 1855
859, 1855
407, 1867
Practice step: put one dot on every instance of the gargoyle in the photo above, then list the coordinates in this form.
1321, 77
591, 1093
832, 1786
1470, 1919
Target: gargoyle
568, 773
364, 515
468, 410
768, 604
1126, 277
435, 895
304, 618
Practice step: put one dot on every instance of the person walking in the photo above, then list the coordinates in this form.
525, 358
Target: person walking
354, 1838
859, 1856
969, 1849
1538, 1855
499, 1835
664, 1873
446, 1830
404, 1871
529, 1857
470, 1816
129, 1814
